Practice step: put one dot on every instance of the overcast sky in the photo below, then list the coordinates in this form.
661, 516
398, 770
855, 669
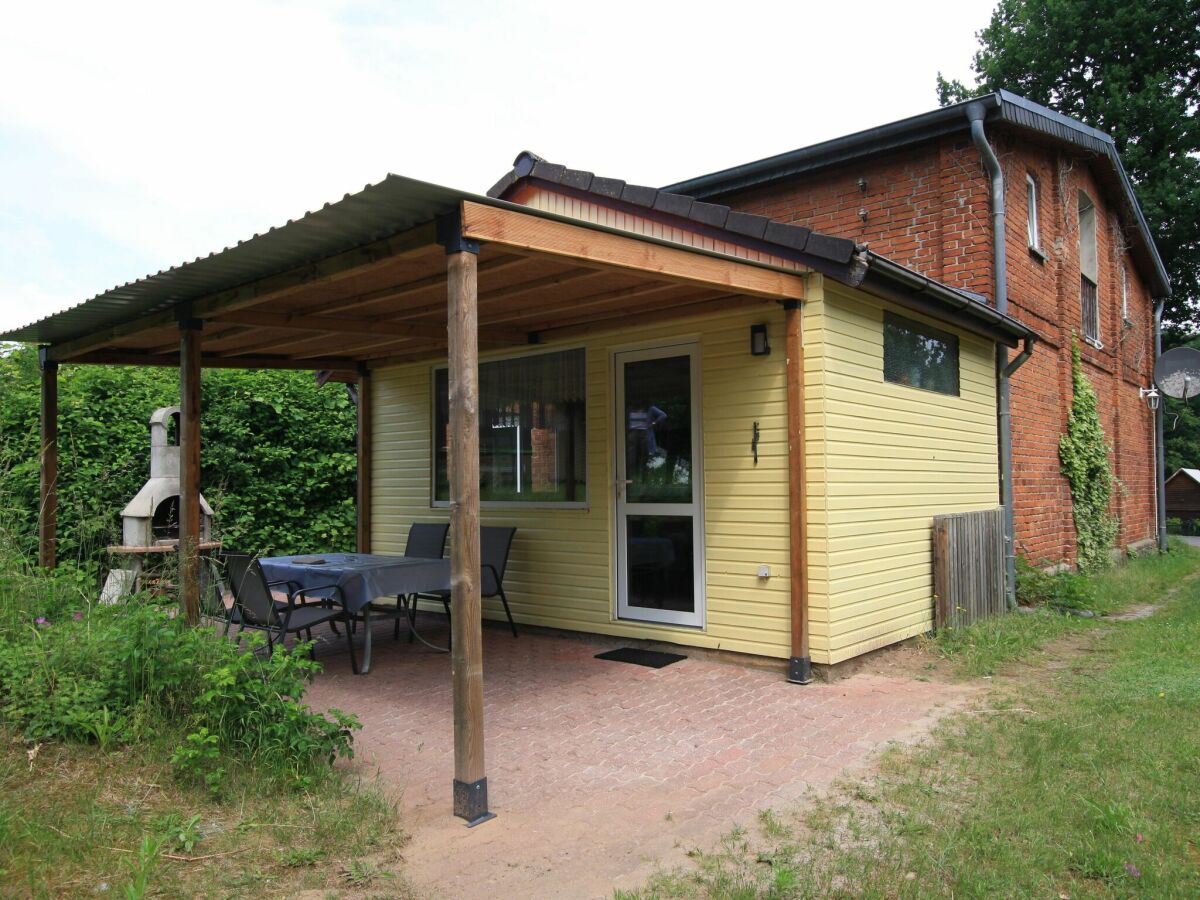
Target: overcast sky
134, 136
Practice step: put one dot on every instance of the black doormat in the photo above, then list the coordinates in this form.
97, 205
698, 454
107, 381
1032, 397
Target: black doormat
652, 658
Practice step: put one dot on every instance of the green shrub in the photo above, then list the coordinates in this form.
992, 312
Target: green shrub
111, 674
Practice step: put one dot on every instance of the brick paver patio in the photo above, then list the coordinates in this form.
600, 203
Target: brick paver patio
599, 771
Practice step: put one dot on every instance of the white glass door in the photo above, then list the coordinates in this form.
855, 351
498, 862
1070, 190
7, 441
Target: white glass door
660, 546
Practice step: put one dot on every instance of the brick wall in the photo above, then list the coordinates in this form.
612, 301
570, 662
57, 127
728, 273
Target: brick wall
928, 208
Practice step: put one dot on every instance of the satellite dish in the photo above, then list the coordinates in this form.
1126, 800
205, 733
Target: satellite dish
1177, 373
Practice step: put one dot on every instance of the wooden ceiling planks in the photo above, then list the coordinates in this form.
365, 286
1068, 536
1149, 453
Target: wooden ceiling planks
395, 308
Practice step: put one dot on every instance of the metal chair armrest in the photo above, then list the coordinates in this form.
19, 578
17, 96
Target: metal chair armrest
302, 592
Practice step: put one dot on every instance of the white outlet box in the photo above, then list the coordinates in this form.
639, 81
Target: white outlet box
764, 571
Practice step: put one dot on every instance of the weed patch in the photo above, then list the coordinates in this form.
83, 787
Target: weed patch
1052, 605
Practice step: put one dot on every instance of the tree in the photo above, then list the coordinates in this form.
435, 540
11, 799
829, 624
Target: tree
1130, 68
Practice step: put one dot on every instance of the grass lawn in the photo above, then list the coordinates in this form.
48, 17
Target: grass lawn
76, 821
1079, 777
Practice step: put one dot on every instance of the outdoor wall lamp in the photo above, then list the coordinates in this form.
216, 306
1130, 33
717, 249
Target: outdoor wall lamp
1150, 395
758, 341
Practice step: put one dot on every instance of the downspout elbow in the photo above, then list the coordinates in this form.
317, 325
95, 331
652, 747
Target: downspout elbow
1020, 358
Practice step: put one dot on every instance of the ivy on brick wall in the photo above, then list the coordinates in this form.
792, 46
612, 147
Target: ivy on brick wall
1083, 454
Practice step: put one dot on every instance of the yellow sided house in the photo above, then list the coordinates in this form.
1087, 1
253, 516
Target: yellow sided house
709, 428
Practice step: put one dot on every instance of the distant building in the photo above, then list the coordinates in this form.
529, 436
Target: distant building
1183, 495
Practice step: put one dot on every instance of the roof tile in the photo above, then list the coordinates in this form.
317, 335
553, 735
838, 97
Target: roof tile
747, 224
639, 194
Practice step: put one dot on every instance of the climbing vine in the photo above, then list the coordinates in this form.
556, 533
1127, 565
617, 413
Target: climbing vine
1083, 453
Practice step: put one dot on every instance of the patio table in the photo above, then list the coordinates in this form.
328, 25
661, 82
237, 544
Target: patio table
362, 578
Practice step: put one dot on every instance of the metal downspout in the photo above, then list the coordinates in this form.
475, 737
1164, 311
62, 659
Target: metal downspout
1160, 461
975, 115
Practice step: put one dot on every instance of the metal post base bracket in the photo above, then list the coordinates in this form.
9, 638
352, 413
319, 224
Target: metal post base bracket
470, 802
800, 670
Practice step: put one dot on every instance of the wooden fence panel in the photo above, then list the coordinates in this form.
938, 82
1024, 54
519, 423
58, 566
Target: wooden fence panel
968, 567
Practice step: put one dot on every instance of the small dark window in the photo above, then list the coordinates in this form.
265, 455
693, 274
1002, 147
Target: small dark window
919, 356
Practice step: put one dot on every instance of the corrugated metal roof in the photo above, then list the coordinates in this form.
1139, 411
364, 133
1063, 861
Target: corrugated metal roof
398, 204
1003, 106
394, 205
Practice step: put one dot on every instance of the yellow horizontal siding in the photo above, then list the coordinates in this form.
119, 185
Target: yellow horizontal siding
895, 457
561, 573
882, 460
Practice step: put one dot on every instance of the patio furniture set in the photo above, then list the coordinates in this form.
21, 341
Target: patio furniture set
354, 587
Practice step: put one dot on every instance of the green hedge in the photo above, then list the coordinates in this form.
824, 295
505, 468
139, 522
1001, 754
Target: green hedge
278, 455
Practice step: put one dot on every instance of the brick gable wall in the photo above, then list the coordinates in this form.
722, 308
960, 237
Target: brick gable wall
928, 208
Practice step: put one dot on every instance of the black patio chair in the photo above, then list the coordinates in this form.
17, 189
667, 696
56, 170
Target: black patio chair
233, 617
426, 540
494, 546
256, 607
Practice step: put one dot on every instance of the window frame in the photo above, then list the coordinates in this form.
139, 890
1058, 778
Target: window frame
927, 331
435, 503
1125, 293
1032, 225
1089, 242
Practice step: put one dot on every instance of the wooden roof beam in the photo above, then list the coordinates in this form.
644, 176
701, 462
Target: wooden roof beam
602, 249
326, 271
664, 314
578, 304
209, 361
340, 325
400, 291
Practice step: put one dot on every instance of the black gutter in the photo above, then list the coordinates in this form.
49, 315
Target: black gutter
892, 281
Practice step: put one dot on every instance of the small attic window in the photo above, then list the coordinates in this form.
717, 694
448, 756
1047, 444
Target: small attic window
1124, 293
919, 356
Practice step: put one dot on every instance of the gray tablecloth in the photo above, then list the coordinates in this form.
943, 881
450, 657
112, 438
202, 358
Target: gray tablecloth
363, 577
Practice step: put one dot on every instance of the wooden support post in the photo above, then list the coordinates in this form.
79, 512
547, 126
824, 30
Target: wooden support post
365, 439
48, 498
800, 664
462, 286
189, 470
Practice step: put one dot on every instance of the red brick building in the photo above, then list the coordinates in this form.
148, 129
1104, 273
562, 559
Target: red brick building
1079, 260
